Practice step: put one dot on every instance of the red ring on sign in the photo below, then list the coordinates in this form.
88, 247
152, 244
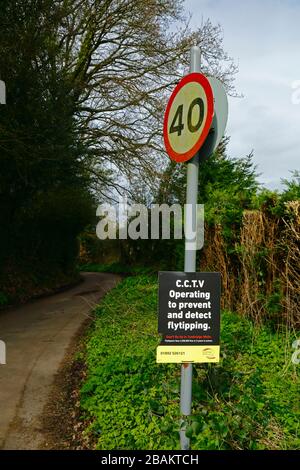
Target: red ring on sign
202, 80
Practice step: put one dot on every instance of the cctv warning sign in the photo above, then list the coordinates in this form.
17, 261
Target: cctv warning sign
189, 317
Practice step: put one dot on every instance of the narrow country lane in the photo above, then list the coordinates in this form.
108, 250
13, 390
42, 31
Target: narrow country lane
37, 336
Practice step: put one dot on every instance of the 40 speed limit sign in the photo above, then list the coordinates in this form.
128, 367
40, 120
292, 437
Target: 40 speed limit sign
188, 117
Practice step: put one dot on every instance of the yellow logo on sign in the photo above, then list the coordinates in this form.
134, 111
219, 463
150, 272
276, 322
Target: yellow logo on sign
179, 354
209, 353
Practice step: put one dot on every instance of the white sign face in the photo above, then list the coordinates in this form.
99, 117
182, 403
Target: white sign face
2, 92
188, 117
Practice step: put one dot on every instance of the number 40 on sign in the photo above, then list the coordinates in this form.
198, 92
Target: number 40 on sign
188, 117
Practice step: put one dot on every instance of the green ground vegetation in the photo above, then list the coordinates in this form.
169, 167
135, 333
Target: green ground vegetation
248, 401
116, 268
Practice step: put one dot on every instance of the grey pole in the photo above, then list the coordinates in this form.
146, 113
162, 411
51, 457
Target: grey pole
190, 262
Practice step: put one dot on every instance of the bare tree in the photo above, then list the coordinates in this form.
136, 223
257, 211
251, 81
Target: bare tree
122, 57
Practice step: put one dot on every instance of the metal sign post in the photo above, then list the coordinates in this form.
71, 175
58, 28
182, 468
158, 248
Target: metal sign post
190, 261
194, 123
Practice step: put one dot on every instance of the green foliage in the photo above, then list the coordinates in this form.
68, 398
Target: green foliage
248, 401
127, 397
270, 202
253, 391
217, 174
292, 187
70, 126
116, 268
274, 300
274, 202
44, 195
226, 188
3, 299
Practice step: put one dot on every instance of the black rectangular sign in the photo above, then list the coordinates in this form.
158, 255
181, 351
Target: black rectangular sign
189, 308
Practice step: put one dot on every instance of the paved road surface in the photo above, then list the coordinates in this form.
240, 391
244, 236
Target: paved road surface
37, 336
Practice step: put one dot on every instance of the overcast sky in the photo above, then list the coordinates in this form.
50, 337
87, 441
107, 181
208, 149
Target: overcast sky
263, 36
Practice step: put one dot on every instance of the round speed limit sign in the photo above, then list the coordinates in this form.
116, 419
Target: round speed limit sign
188, 117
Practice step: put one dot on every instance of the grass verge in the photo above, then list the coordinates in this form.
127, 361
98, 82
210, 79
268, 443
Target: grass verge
248, 401
116, 268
